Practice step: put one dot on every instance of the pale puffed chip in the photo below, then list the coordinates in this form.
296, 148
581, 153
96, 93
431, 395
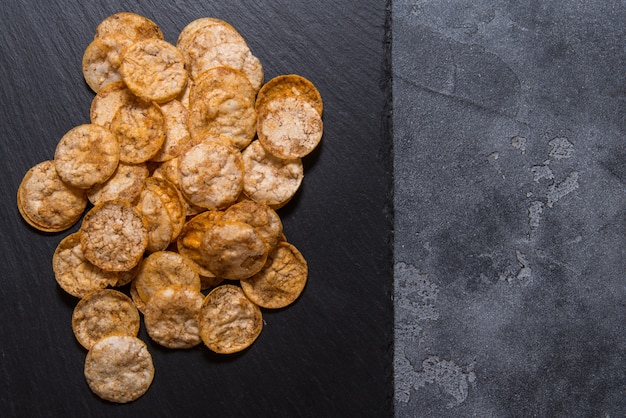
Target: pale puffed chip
74, 273
176, 131
233, 250
211, 174
119, 368
289, 85
269, 179
168, 170
233, 55
154, 70
289, 127
46, 202
258, 215
129, 25
114, 236
86, 155
171, 316
140, 129
102, 59
157, 218
281, 280
106, 102
190, 239
103, 313
229, 322
162, 269
125, 184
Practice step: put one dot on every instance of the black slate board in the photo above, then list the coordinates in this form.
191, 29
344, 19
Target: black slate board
328, 354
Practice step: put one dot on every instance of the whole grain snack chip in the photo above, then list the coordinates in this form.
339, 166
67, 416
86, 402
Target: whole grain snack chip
222, 102
190, 239
86, 155
176, 131
234, 55
114, 236
162, 269
258, 215
119, 368
168, 170
269, 179
289, 127
171, 316
125, 184
153, 70
281, 280
74, 273
103, 313
173, 201
157, 218
211, 174
229, 322
233, 250
140, 129
140, 304
105, 103
289, 85
129, 25
46, 202
102, 59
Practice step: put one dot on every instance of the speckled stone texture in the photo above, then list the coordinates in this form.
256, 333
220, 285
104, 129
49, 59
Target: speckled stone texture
510, 208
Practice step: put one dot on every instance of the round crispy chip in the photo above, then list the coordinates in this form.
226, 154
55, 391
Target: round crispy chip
140, 129
289, 85
74, 273
183, 97
140, 304
171, 316
86, 155
234, 55
103, 313
161, 269
258, 215
119, 368
102, 59
114, 236
125, 184
106, 102
269, 179
176, 131
222, 102
157, 218
46, 202
281, 280
233, 250
128, 25
190, 240
289, 127
154, 70
168, 170
173, 201
229, 322
211, 174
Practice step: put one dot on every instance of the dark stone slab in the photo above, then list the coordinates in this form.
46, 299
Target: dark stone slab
510, 208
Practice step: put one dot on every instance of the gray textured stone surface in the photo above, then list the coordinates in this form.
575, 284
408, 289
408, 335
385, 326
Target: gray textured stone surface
510, 208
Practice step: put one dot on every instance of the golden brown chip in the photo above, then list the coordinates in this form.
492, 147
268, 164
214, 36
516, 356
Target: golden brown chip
176, 131
258, 215
162, 269
157, 218
86, 155
114, 236
172, 200
102, 59
233, 55
168, 170
190, 240
46, 202
140, 304
269, 179
153, 70
209, 282
289, 127
103, 313
211, 175
125, 184
128, 25
233, 250
125, 277
289, 85
119, 368
74, 273
105, 103
140, 129
171, 316
229, 322
281, 280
